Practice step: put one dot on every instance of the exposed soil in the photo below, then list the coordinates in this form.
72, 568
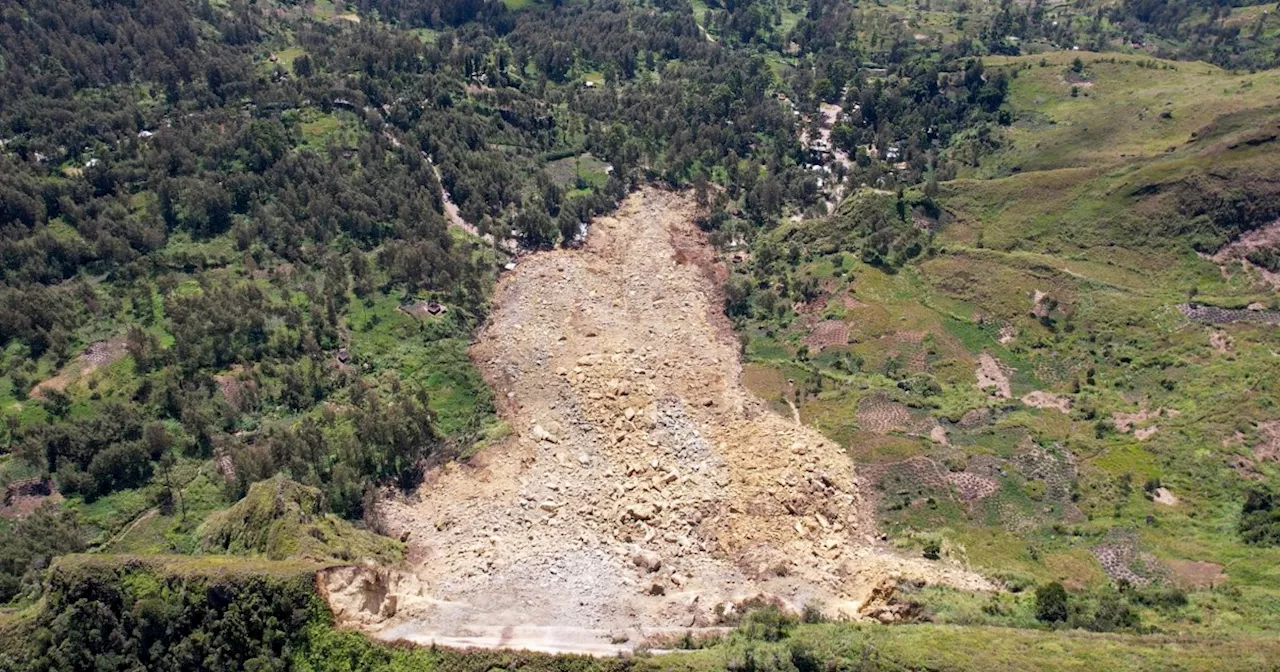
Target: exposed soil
1125, 422
992, 376
972, 486
1265, 237
96, 356
1196, 574
827, 333
1122, 560
643, 490
1267, 449
1040, 399
879, 414
23, 497
1220, 341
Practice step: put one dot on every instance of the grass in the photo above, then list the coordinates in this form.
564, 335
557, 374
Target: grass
1091, 217
431, 352
567, 171
1120, 116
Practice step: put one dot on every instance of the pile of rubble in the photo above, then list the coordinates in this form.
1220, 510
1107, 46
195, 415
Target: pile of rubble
643, 488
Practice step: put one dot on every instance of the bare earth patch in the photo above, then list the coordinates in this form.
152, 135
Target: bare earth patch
23, 497
1122, 561
644, 491
1267, 449
1220, 341
1266, 237
1126, 422
827, 333
96, 356
879, 414
1040, 399
973, 487
1196, 574
1165, 497
992, 376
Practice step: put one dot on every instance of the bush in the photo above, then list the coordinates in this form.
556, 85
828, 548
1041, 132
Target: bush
1051, 603
1108, 612
768, 624
1260, 518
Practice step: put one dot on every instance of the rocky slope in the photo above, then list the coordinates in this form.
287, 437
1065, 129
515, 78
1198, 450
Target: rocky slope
643, 488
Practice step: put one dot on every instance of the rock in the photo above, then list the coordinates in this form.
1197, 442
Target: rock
543, 435
641, 511
647, 560
584, 459
629, 413
656, 589
549, 506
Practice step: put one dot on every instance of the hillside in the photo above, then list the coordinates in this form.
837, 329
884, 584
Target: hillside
616, 326
1061, 382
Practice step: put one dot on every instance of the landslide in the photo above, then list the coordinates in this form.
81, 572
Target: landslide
643, 490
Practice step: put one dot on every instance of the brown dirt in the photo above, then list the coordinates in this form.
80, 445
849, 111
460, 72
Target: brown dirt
1267, 449
1144, 433
1040, 399
643, 489
1122, 561
1266, 237
973, 487
851, 302
880, 415
1196, 574
1125, 422
1220, 341
23, 497
1039, 304
826, 334
992, 376
96, 356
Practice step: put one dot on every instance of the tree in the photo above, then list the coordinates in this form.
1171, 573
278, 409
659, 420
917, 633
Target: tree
1260, 517
537, 229
302, 66
1051, 603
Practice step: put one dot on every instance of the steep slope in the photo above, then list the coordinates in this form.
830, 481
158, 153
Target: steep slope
644, 489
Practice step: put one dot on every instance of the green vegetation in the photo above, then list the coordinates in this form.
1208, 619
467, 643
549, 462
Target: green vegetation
234, 305
1061, 260
221, 613
280, 519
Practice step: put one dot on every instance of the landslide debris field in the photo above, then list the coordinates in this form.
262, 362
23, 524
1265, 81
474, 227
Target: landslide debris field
642, 490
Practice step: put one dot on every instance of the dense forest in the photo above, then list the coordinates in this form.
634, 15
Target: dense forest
219, 227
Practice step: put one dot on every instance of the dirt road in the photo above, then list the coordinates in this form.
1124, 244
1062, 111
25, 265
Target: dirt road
643, 488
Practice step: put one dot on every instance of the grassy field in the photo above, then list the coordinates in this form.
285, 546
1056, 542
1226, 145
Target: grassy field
1061, 261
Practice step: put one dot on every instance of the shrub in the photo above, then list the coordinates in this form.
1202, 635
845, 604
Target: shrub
768, 624
1051, 603
1260, 518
